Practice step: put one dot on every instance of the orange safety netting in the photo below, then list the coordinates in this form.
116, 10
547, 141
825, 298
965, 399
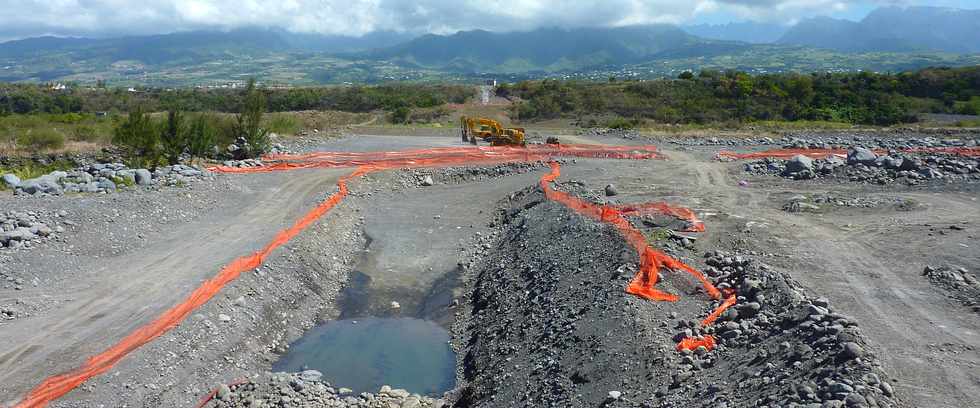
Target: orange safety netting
821, 153
642, 285
692, 343
446, 156
58, 385
651, 260
696, 225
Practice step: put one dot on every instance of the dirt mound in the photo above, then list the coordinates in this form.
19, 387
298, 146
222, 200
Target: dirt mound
549, 323
307, 389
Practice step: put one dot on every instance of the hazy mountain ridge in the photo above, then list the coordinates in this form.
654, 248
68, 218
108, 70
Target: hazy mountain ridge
893, 29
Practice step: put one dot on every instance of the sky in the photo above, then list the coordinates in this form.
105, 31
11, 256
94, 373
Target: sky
103, 18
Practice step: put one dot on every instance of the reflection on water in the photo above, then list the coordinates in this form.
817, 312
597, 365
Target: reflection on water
404, 353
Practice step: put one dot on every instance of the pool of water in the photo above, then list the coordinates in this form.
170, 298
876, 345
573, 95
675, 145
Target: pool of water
364, 354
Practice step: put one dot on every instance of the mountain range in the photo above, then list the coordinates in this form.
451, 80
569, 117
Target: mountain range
915, 35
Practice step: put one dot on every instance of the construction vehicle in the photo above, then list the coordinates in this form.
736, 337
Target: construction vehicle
489, 130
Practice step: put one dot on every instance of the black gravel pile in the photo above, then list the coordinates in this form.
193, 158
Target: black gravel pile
550, 325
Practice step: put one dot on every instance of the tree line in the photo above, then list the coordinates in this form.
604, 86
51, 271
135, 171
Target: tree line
35, 98
732, 96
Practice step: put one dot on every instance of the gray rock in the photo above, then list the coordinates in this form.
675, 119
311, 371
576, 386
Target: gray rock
611, 190
615, 395
799, 163
143, 177
107, 185
860, 155
851, 350
11, 180
43, 184
310, 375
427, 181
223, 392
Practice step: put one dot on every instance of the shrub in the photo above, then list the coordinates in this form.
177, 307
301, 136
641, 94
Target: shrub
283, 123
84, 133
140, 137
41, 139
401, 114
173, 136
249, 123
202, 136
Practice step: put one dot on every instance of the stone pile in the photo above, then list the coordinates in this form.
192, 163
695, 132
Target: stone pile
24, 229
863, 165
307, 389
102, 178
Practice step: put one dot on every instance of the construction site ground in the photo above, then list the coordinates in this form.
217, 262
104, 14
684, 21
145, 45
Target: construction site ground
132, 255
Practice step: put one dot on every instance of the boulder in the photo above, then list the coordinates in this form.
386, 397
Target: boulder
860, 155
799, 163
611, 190
11, 180
143, 177
43, 184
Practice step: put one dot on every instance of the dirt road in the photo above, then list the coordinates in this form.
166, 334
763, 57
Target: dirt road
867, 262
120, 293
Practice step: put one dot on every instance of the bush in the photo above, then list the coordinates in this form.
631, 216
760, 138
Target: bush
283, 123
202, 136
41, 139
84, 133
249, 123
140, 137
401, 114
173, 136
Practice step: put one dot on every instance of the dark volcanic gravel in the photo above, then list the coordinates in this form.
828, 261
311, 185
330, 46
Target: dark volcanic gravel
550, 325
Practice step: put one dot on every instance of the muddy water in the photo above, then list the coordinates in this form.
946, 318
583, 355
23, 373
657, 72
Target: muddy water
365, 354
386, 335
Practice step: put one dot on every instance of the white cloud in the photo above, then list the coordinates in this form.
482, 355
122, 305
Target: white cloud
23, 18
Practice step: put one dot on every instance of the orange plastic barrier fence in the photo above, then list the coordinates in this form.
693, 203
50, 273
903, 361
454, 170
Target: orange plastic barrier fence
692, 343
821, 153
696, 225
642, 285
447, 156
729, 302
708, 342
651, 260
59, 385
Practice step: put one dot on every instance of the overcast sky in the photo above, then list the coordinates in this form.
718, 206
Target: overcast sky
27, 18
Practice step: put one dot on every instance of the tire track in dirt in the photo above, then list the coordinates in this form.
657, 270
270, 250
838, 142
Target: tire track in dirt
905, 319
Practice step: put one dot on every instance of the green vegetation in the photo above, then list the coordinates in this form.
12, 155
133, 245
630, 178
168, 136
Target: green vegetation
29, 98
248, 124
41, 139
44, 131
716, 97
140, 136
28, 169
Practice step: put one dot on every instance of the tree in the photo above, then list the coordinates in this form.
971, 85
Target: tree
173, 135
139, 136
248, 123
201, 136
686, 75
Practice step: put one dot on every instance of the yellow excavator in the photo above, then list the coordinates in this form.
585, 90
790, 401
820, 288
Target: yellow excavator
490, 131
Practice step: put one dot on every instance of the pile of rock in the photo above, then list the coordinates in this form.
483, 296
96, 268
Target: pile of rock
594, 345
805, 353
864, 165
22, 229
102, 178
307, 389
958, 283
246, 163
